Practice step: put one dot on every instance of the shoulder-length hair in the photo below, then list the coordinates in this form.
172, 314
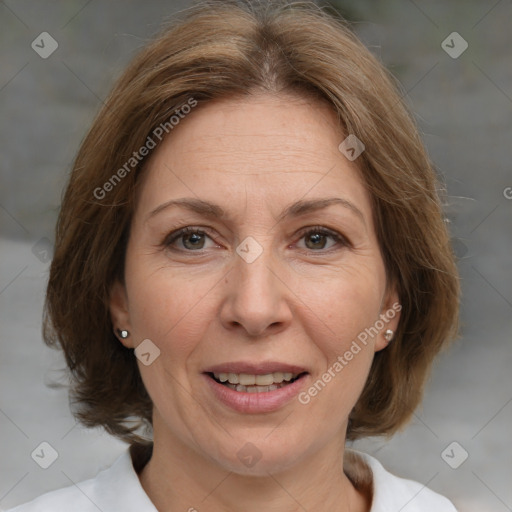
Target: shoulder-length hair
225, 49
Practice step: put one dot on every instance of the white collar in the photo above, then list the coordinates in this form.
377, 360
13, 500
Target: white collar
119, 488
389, 491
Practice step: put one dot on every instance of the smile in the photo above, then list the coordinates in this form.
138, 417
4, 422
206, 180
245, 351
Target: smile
250, 383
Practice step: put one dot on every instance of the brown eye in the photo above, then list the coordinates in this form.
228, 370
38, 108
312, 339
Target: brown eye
191, 239
316, 239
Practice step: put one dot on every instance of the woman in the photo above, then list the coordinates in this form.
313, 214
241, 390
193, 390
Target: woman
251, 268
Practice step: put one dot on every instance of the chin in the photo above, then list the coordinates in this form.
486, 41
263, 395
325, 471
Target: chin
258, 456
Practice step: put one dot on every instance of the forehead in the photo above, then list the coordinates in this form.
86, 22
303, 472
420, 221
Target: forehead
267, 150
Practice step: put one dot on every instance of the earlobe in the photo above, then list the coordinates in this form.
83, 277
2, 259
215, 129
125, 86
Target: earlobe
389, 319
119, 314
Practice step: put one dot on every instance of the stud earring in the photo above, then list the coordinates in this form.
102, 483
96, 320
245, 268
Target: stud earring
388, 335
122, 333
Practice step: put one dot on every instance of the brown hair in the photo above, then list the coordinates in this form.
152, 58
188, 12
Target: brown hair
222, 50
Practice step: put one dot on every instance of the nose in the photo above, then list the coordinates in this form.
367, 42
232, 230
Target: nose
256, 297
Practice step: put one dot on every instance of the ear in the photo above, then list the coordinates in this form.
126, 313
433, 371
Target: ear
119, 312
389, 318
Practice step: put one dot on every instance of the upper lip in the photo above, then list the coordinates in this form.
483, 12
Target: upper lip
252, 368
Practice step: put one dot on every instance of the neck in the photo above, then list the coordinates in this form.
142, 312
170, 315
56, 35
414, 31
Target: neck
177, 478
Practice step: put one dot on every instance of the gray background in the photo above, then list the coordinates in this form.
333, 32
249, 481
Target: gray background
464, 109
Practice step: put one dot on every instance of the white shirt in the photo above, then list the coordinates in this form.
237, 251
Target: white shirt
118, 489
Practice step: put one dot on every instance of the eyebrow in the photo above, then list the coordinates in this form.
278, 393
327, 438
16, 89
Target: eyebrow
211, 210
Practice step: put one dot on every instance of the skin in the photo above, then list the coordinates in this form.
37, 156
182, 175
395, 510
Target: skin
302, 301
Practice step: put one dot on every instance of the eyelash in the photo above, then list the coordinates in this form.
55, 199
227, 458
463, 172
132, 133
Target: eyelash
319, 230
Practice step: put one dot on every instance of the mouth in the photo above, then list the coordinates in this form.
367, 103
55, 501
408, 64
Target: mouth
255, 383
250, 387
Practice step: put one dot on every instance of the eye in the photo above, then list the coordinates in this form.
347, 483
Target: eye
190, 238
316, 238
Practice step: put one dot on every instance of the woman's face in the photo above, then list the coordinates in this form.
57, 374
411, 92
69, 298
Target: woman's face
283, 281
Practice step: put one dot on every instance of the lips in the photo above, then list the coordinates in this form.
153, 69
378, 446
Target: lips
251, 368
245, 378
255, 399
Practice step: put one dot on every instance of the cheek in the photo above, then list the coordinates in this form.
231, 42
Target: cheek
173, 312
345, 302
347, 308
166, 305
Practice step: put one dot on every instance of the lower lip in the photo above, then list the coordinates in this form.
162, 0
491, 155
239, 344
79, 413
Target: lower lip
253, 403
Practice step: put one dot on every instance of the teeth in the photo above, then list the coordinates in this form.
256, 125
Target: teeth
265, 380
245, 379
278, 377
254, 389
